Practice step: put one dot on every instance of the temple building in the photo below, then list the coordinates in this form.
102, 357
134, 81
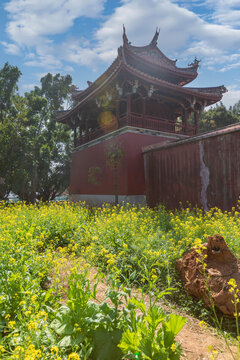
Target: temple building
140, 100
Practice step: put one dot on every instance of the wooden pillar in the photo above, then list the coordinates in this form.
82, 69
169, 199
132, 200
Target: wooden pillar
80, 133
196, 116
87, 131
117, 112
144, 104
75, 134
129, 109
184, 121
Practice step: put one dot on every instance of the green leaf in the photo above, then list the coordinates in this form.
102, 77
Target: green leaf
154, 317
79, 338
62, 328
62, 324
106, 345
140, 305
172, 327
130, 342
65, 329
65, 342
49, 336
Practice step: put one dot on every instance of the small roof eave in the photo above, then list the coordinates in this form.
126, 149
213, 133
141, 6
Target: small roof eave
84, 93
188, 73
91, 94
167, 63
215, 95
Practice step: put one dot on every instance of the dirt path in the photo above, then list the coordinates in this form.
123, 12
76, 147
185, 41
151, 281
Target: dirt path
195, 342
195, 339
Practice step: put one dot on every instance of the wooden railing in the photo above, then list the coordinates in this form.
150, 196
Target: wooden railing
140, 121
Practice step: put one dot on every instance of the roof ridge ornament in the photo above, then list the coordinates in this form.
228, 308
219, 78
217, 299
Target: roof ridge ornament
155, 37
152, 43
195, 63
125, 39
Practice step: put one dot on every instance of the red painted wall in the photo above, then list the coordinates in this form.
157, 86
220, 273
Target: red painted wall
204, 172
171, 176
131, 169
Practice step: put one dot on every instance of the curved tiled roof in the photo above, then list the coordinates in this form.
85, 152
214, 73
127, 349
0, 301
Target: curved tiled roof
214, 93
154, 56
211, 95
121, 63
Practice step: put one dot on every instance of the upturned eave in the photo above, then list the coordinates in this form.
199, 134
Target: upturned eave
209, 95
183, 75
163, 63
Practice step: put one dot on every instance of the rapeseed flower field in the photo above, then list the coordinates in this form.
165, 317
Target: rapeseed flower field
136, 246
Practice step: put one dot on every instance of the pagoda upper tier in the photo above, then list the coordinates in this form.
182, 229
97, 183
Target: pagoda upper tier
158, 64
150, 61
151, 86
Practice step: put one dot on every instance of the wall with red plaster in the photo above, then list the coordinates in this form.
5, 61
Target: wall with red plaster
130, 171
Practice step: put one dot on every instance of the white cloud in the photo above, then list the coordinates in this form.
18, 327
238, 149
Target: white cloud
183, 33
10, 48
232, 96
34, 19
219, 11
73, 51
45, 61
141, 17
225, 12
230, 66
33, 22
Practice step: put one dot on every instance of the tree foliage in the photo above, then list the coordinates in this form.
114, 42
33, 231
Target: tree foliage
35, 148
219, 116
9, 76
114, 154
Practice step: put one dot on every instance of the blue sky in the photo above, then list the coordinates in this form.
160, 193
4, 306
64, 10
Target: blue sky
81, 37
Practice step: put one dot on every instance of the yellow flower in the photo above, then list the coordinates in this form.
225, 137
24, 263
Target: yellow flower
54, 350
232, 283
202, 324
32, 325
12, 324
154, 277
73, 356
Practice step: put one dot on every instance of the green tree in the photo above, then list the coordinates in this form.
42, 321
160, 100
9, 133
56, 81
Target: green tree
218, 117
52, 146
35, 148
114, 155
236, 109
9, 76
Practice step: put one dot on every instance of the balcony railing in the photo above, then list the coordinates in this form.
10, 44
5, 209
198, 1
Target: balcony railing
140, 121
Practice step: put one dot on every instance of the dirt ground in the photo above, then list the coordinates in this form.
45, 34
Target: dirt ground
195, 339
195, 342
